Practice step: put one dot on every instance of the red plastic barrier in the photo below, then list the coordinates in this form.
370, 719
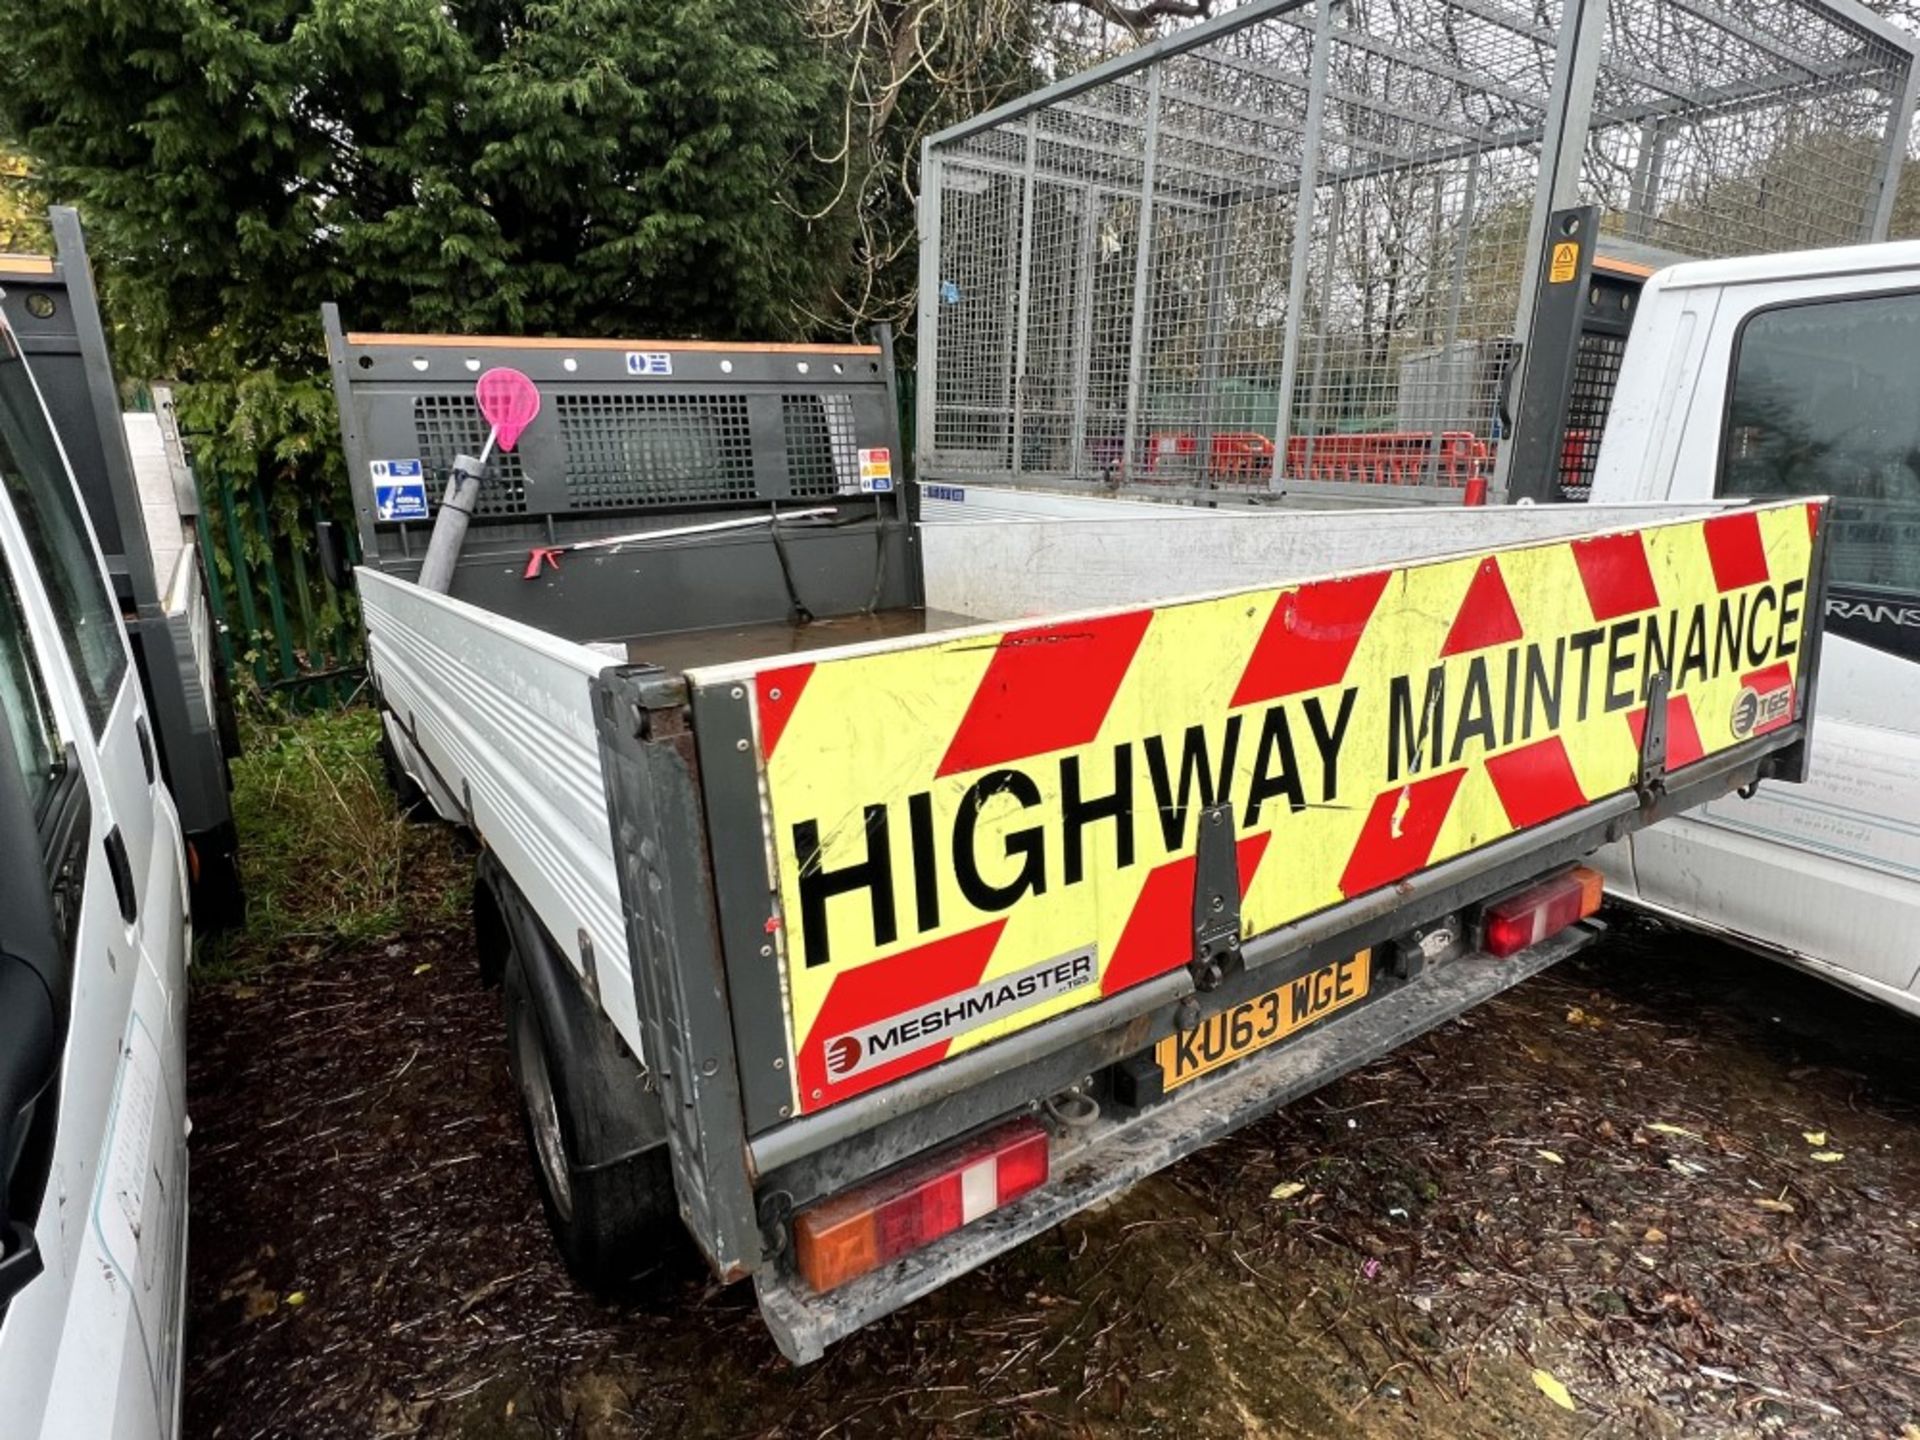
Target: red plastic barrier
1400, 457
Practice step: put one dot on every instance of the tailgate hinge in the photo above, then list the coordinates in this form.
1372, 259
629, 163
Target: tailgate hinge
1651, 783
1216, 899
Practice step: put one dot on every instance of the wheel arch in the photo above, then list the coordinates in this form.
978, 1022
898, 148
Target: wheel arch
608, 1101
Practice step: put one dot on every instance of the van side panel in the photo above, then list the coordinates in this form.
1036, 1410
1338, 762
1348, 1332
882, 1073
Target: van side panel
503, 714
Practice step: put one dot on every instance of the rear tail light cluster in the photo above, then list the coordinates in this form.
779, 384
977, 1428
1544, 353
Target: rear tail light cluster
1529, 916
864, 1228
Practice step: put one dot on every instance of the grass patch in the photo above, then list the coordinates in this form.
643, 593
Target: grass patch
326, 858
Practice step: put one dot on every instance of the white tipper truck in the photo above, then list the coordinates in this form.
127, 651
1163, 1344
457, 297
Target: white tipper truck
880, 874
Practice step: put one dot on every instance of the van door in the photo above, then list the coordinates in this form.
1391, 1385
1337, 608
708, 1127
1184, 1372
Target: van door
1822, 395
90, 1345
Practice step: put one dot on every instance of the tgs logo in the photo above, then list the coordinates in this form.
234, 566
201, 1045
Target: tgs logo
1754, 711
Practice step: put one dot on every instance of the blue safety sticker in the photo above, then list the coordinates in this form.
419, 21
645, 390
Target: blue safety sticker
399, 489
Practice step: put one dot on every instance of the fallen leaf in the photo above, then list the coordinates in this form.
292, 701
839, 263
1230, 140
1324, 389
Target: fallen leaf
423, 967
260, 1302
1661, 1128
1285, 1190
1815, 1138
1655, 1236
1553, 1389
297, 1299
1549, 1157
1778, 1207
1685, 1167
1910, 1431
1827, 1157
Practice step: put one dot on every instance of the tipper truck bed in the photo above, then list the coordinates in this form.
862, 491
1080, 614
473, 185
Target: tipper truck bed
878, 876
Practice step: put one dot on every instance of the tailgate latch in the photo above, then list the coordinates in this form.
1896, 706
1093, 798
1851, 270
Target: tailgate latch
1216, 899
1651, 782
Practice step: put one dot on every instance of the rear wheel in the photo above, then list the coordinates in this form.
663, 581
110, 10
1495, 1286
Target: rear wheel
611, 1220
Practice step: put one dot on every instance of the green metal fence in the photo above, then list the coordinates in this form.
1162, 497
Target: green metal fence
286, 634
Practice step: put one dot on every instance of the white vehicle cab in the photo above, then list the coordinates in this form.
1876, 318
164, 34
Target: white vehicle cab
1796, 375
94, 938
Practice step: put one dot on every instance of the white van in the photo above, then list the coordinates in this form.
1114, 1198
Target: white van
94, 938
1798, 375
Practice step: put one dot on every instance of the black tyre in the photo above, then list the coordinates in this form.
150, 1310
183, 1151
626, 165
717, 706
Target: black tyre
217, 896
614, 1220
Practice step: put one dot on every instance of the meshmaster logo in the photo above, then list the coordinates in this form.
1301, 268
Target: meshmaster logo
956, 1015
843, 1055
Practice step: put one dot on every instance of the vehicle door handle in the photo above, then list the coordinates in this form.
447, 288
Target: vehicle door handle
122, 871
145, 736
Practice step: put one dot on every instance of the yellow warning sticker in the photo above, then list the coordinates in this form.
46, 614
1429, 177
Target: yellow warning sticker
972, 833
1566, 262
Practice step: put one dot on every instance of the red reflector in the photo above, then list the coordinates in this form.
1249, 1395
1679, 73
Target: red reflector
1529, 916
864, 1228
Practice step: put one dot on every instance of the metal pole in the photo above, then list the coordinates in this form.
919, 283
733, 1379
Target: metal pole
1317, 387
1144, 58
1893, 154
450, 520
1023, 297
1219, 232
1648, 174
927, 342
1303, 229
1450, 336
1576, 70
1080, 361
1142, 276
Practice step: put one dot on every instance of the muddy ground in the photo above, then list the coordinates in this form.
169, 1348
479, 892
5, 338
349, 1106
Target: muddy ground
1679, 1181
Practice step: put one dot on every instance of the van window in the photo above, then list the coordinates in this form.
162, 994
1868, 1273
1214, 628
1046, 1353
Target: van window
48, 509
1826, 400
23, 701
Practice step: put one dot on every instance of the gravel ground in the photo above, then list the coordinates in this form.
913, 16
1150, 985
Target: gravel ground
1677, 1181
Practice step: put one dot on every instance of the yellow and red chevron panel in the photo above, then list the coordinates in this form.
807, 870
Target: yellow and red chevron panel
973, 833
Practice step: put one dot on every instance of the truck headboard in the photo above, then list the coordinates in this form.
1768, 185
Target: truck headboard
49, 302
635, 435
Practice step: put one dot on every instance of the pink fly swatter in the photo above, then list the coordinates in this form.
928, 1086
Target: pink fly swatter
508, 400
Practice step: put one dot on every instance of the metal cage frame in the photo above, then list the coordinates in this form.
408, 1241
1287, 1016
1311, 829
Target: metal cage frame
1298, 245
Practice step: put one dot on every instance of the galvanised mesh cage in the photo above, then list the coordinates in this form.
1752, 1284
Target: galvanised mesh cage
1296, 245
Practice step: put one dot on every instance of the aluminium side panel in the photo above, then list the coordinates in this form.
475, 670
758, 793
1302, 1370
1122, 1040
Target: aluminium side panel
503, 713
1004, 564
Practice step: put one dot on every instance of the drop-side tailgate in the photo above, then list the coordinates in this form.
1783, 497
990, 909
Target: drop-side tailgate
970, 833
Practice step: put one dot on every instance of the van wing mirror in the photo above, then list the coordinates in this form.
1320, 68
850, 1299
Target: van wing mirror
332, 543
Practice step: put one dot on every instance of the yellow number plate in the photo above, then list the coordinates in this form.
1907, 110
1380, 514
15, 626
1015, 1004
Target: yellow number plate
1264, 1020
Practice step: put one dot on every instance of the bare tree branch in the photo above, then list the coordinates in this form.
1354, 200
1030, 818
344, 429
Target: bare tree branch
1142, 17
